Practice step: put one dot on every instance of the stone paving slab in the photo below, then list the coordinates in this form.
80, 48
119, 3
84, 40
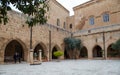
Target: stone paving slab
67, 67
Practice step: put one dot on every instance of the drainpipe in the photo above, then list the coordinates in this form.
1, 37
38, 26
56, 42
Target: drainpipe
31, 50
30, 37
104, 44
71, 34
49, 45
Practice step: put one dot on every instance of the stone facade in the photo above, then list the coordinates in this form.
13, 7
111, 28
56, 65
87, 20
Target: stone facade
100, 33
70, 23
97, 38
17, 34
57, 12
96, 9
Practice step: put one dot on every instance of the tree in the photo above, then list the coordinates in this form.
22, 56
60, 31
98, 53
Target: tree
35, 9
72, 46
116, 46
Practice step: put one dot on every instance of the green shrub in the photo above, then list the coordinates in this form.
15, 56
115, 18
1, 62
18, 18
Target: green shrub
58, 53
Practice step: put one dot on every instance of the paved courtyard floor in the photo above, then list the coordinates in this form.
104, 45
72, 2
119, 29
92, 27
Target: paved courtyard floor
65, 67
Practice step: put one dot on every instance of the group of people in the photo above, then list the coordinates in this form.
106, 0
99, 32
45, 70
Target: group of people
17, 57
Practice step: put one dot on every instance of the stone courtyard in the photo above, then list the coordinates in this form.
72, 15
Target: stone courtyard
64, 67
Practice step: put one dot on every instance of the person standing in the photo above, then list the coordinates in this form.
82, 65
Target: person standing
15, 57
19, 57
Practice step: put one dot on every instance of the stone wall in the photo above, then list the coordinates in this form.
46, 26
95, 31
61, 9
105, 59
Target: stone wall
70, 21
96, 9
57, 11
101, 34
17, 30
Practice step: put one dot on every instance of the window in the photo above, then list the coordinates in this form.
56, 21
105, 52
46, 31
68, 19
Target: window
58, 22
91, 20
70, 26
64, 25
105, 17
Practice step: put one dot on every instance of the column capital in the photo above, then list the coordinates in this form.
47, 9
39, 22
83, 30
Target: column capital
40, 50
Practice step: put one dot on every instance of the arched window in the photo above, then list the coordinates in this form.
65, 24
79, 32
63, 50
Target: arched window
58, 22
64, 25
105, 17
91, 20
70, 26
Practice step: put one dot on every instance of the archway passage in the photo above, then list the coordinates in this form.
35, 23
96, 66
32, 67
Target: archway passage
54, 50
36, 51
97, 51
66, 55
83, 53
12, 48
111, 52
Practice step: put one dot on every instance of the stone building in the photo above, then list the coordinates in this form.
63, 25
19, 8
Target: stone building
96, 23
15, 35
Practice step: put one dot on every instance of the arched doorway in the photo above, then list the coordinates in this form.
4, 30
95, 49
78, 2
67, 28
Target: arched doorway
54, 50
83, 52
66, 56
36, 51
111, 52
12, 48
97, 51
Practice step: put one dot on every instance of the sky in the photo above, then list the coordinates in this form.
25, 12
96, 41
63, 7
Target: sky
68, 4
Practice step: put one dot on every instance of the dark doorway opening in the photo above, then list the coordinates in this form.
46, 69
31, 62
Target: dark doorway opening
12, 48
111, 52
36, 52
97, 51
66, 55
54, 50
83, 53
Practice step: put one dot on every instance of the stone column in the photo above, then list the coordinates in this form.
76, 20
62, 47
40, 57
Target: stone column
40, 56
106, 53
31, 56
48, 58
2, 56
90, 54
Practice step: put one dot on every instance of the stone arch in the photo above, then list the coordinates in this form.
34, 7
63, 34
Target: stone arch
97, 51
40, 46
111, 52
83, 52
55, 48
12, 46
